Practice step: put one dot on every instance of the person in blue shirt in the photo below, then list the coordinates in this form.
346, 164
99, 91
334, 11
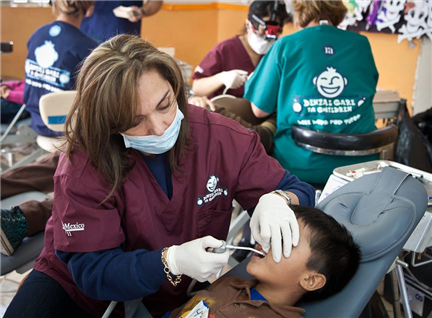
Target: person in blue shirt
103, 24
55, 52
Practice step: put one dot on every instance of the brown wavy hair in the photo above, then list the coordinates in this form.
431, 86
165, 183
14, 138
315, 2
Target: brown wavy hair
71, 7
107, 103
306, 11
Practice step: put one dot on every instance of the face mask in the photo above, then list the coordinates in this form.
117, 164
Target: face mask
156, 144
260, 45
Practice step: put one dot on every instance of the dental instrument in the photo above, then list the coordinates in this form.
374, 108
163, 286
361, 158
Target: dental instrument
226, 246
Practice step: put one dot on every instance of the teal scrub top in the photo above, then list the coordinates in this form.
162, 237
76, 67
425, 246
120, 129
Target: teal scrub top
321, 78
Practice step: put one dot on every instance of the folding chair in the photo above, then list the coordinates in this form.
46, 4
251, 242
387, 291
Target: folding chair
54, 108
17, 137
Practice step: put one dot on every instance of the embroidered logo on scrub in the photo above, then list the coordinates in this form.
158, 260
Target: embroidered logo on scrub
213, 191
71, 227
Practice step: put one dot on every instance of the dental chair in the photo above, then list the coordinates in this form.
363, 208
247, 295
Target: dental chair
378, 141
53, 108
23, 258
381, 211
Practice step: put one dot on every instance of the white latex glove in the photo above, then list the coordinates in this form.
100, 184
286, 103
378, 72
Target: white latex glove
192, 259
273, 220
233, 79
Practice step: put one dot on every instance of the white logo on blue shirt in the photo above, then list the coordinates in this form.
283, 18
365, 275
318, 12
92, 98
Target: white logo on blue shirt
54, 30
213, 191
46, 55
64, 78
328, 50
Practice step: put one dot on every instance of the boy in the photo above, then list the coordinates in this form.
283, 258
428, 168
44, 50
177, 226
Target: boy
324, 261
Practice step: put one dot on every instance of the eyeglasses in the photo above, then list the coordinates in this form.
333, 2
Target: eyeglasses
271, 28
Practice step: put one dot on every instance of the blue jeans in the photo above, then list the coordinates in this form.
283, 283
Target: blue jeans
9, 110
41, 296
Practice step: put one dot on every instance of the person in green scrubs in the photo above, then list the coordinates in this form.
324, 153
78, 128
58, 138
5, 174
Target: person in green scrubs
320, 78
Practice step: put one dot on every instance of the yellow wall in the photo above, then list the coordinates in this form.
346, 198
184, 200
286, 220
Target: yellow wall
194, 29
396, 63
17, 25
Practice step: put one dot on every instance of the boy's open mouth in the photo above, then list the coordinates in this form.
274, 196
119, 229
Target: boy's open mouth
259, 248
258, 255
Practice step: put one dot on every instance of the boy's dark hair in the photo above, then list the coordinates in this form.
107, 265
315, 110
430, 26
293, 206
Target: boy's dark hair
265, 9
333, 251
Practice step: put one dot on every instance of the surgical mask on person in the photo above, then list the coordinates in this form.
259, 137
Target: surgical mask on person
260, 45
156, 144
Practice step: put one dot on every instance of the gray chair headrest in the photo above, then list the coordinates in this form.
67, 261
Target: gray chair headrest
368, 205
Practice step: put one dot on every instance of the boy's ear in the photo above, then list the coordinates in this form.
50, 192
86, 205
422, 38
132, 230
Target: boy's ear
313, 281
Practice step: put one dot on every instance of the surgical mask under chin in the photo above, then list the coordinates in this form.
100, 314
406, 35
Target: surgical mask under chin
260, 45
156, 144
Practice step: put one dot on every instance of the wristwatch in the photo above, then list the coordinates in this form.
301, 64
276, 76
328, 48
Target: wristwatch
283, 194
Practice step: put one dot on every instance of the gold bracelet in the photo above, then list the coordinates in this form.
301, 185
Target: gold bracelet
167, 270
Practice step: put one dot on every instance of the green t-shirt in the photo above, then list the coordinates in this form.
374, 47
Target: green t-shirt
321, 78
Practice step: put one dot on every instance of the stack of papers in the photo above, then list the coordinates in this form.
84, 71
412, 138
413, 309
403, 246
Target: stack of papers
124, 12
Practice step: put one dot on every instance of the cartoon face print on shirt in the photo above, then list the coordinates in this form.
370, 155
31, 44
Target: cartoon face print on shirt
213, 191
328, 105
330, 83
212, 183
46, 55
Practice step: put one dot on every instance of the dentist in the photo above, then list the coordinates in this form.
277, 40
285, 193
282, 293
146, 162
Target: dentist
145, 187
225, 69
